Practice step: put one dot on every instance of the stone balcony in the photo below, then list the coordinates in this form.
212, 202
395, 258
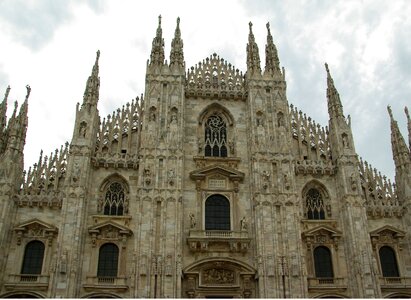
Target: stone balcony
218, 240
339, 283
395, 282
105, 282
27, 281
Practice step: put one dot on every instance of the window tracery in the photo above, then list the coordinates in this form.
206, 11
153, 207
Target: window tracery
215, 137
314, 205
115, 200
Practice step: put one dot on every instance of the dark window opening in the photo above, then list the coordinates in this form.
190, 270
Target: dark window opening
217, 213
388, 262
323, 263
33, 258
108, 261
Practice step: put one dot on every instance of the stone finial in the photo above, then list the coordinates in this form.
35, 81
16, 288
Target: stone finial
390, 112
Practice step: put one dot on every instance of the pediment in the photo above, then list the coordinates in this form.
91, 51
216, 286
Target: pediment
322, 230
109, 227
388, 230
35, 225
213, 170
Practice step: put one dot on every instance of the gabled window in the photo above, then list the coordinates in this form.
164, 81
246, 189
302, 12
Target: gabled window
215, 137
108, 260
217, 213
114, 199
314, 205
323, 263
33, 258
388, 262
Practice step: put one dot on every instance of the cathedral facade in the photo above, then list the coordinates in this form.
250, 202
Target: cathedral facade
209, 185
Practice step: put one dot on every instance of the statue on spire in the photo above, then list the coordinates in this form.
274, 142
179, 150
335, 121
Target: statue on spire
91, 93
253, 57
157, 50
335, 108
272, 62
176, 54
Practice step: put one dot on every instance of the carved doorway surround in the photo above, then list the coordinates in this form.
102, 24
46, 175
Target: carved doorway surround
219, 278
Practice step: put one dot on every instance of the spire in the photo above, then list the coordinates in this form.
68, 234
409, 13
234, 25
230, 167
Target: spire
272, 63
176, 54
157, 50
335, 108
91, 93
409, 127
253, 57
400, 150
3, 111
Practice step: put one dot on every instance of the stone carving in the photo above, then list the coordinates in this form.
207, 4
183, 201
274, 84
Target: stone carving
287, 183
192, 221
75, 177
218, 276
266, 178
83, 129
147, 176
63, 262
244, 224
173, 132
171, 176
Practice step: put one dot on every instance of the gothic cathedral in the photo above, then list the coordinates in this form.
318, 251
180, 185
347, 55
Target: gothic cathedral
209, 185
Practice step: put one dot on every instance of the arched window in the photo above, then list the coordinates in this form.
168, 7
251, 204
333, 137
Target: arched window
217, 213
114, 200
388, 262
108, 261
322, 262
215, 136
33, 258
315, 205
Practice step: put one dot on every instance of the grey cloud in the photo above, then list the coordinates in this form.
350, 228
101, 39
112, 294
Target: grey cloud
34, 23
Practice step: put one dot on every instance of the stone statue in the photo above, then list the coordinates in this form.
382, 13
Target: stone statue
244, 224
192, 220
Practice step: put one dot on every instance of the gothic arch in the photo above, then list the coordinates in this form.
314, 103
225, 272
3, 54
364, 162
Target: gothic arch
216, 108
22, 294
324, 194
101, 295
113, 204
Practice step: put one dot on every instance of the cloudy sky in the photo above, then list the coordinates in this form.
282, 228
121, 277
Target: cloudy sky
51, 45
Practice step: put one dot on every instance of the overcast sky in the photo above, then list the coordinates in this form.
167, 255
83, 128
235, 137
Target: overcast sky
51, 45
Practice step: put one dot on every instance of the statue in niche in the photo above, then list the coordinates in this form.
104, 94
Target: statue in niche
287, 183
353, 182
75, 177
231, 147
173, 131
192, 221
200, 145
345, 141
83, 129
244, 224
147, 176
151, 136
260, 133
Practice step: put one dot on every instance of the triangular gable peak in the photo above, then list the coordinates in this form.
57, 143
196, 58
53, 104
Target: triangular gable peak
35, 229
215, 170
216, 176
214, 77
321, 235
386, 235
109, 231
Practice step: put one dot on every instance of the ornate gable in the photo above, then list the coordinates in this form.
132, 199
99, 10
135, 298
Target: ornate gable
35, 229
321, 235
386, 235
109, 231
214, 77
216, 176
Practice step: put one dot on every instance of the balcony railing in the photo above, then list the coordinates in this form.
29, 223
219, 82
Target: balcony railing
32, 281
218, 234
395, 282
327, 282
205, 240
106, 282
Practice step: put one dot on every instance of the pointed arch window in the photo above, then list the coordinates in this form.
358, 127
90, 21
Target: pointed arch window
33, 258
315, 205
217, 213
323, 263
388, 262
108, 260
215, 137
114, 199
